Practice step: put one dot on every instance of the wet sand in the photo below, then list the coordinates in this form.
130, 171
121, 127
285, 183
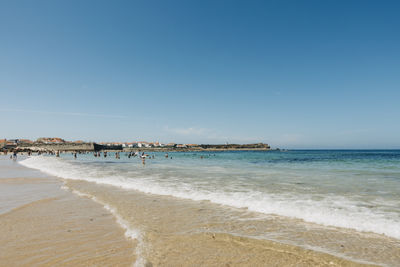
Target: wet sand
65, 229
176, 232
52, 227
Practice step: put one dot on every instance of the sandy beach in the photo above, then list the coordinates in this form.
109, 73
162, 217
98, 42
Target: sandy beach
57, 227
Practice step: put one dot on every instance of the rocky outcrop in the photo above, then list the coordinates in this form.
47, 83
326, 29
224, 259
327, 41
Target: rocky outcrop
237, 146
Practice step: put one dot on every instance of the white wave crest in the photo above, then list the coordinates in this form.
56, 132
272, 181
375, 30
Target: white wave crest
331, 210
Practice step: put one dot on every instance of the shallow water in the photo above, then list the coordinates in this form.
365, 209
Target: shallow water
20, 186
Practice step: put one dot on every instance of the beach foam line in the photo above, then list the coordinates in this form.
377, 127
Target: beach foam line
130, 233
336, 211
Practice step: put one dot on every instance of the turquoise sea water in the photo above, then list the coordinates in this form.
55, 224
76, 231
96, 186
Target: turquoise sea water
354, 189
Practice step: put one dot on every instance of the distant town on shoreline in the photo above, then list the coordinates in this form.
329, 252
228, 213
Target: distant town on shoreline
59, 144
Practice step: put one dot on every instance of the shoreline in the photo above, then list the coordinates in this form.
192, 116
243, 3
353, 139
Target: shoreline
167, 234
179, 232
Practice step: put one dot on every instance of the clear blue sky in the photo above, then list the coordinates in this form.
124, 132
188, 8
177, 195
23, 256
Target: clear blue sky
295, 74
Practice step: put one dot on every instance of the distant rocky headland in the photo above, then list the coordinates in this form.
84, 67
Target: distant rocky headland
58, 144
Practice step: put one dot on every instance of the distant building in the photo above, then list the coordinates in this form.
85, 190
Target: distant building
143, 144
25, 141
50, 140
170, 145
192, 145
3, 142
158, 144
133, 144
181, 146
12, 141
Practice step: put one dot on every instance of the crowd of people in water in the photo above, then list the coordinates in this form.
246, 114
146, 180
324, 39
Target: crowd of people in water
98, 154
129, 155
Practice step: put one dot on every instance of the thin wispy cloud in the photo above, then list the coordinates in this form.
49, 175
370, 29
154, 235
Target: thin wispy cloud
209, 135
78, 114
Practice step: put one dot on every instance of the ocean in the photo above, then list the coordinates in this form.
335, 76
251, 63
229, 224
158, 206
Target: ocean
310, 198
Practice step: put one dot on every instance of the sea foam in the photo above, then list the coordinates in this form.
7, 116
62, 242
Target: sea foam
130, 232
330, 210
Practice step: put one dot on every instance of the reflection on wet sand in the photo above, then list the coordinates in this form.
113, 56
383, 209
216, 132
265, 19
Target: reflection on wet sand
188, 233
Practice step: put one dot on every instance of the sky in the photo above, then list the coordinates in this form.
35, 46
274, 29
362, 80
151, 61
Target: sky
293, 74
